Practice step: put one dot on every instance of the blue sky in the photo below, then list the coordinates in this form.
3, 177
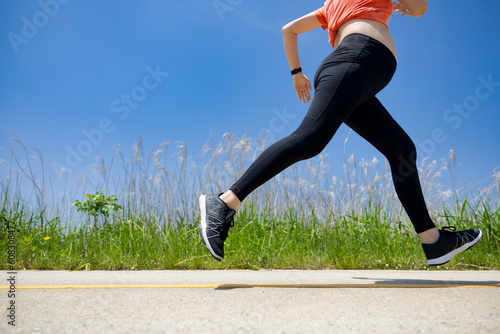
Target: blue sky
85, 76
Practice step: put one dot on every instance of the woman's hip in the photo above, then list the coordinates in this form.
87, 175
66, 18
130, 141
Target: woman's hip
360, 60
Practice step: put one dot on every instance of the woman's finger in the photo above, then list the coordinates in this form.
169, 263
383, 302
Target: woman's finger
299, 94
304, 96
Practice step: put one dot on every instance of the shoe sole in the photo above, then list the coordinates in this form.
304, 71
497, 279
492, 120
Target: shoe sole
447, 257
203, 226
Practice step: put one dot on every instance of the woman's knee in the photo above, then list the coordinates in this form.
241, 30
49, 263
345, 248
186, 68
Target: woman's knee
308, 144
396, 148
408, 150
403, 156
313, 134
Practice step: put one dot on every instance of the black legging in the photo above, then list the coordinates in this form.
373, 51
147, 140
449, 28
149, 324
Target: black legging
345, 86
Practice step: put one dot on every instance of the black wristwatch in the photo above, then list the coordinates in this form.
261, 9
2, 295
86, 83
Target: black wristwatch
297, 70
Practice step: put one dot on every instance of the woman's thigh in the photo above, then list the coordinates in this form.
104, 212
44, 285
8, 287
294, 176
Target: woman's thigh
374, 123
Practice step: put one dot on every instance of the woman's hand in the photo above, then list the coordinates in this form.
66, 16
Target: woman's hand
399, 8
290, 31
413, 8
302, 87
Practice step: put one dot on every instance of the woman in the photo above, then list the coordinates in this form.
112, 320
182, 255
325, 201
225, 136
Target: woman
362, 63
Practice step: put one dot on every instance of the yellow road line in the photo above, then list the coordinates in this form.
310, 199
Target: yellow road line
258, 285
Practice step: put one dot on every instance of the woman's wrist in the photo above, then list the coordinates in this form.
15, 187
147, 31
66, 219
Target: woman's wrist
296, 70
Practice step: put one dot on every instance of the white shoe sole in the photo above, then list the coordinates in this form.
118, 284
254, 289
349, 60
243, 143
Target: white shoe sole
447, 257
203, 210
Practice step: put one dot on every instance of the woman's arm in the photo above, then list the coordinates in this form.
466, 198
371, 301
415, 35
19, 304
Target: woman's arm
413, 8
290, 31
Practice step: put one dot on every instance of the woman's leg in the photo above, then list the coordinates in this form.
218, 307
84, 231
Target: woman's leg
324, 117
345, 79
374, 123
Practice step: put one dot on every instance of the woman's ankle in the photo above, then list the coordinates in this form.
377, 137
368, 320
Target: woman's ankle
230, 199
429, 236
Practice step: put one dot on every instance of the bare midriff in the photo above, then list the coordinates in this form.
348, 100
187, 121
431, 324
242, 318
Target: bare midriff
376, 30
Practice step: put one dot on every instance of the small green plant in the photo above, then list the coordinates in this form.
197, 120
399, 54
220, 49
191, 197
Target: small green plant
98, 204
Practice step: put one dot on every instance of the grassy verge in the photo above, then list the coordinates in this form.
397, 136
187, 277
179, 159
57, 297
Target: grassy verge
254, 243
306, 217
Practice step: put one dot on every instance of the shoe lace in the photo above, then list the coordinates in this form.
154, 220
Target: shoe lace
228, 222
464, 236
221, 228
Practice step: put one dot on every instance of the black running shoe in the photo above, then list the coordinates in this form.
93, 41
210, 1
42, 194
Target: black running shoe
449, 244
216, 219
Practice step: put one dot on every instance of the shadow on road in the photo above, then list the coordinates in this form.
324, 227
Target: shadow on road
370, 282
425, 282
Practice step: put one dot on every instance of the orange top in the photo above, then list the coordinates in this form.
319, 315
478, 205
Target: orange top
337, 12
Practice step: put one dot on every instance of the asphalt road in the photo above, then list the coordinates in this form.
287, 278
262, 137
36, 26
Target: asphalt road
252, 301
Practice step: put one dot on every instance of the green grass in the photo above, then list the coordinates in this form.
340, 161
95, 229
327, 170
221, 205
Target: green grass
350, 222
367, 242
